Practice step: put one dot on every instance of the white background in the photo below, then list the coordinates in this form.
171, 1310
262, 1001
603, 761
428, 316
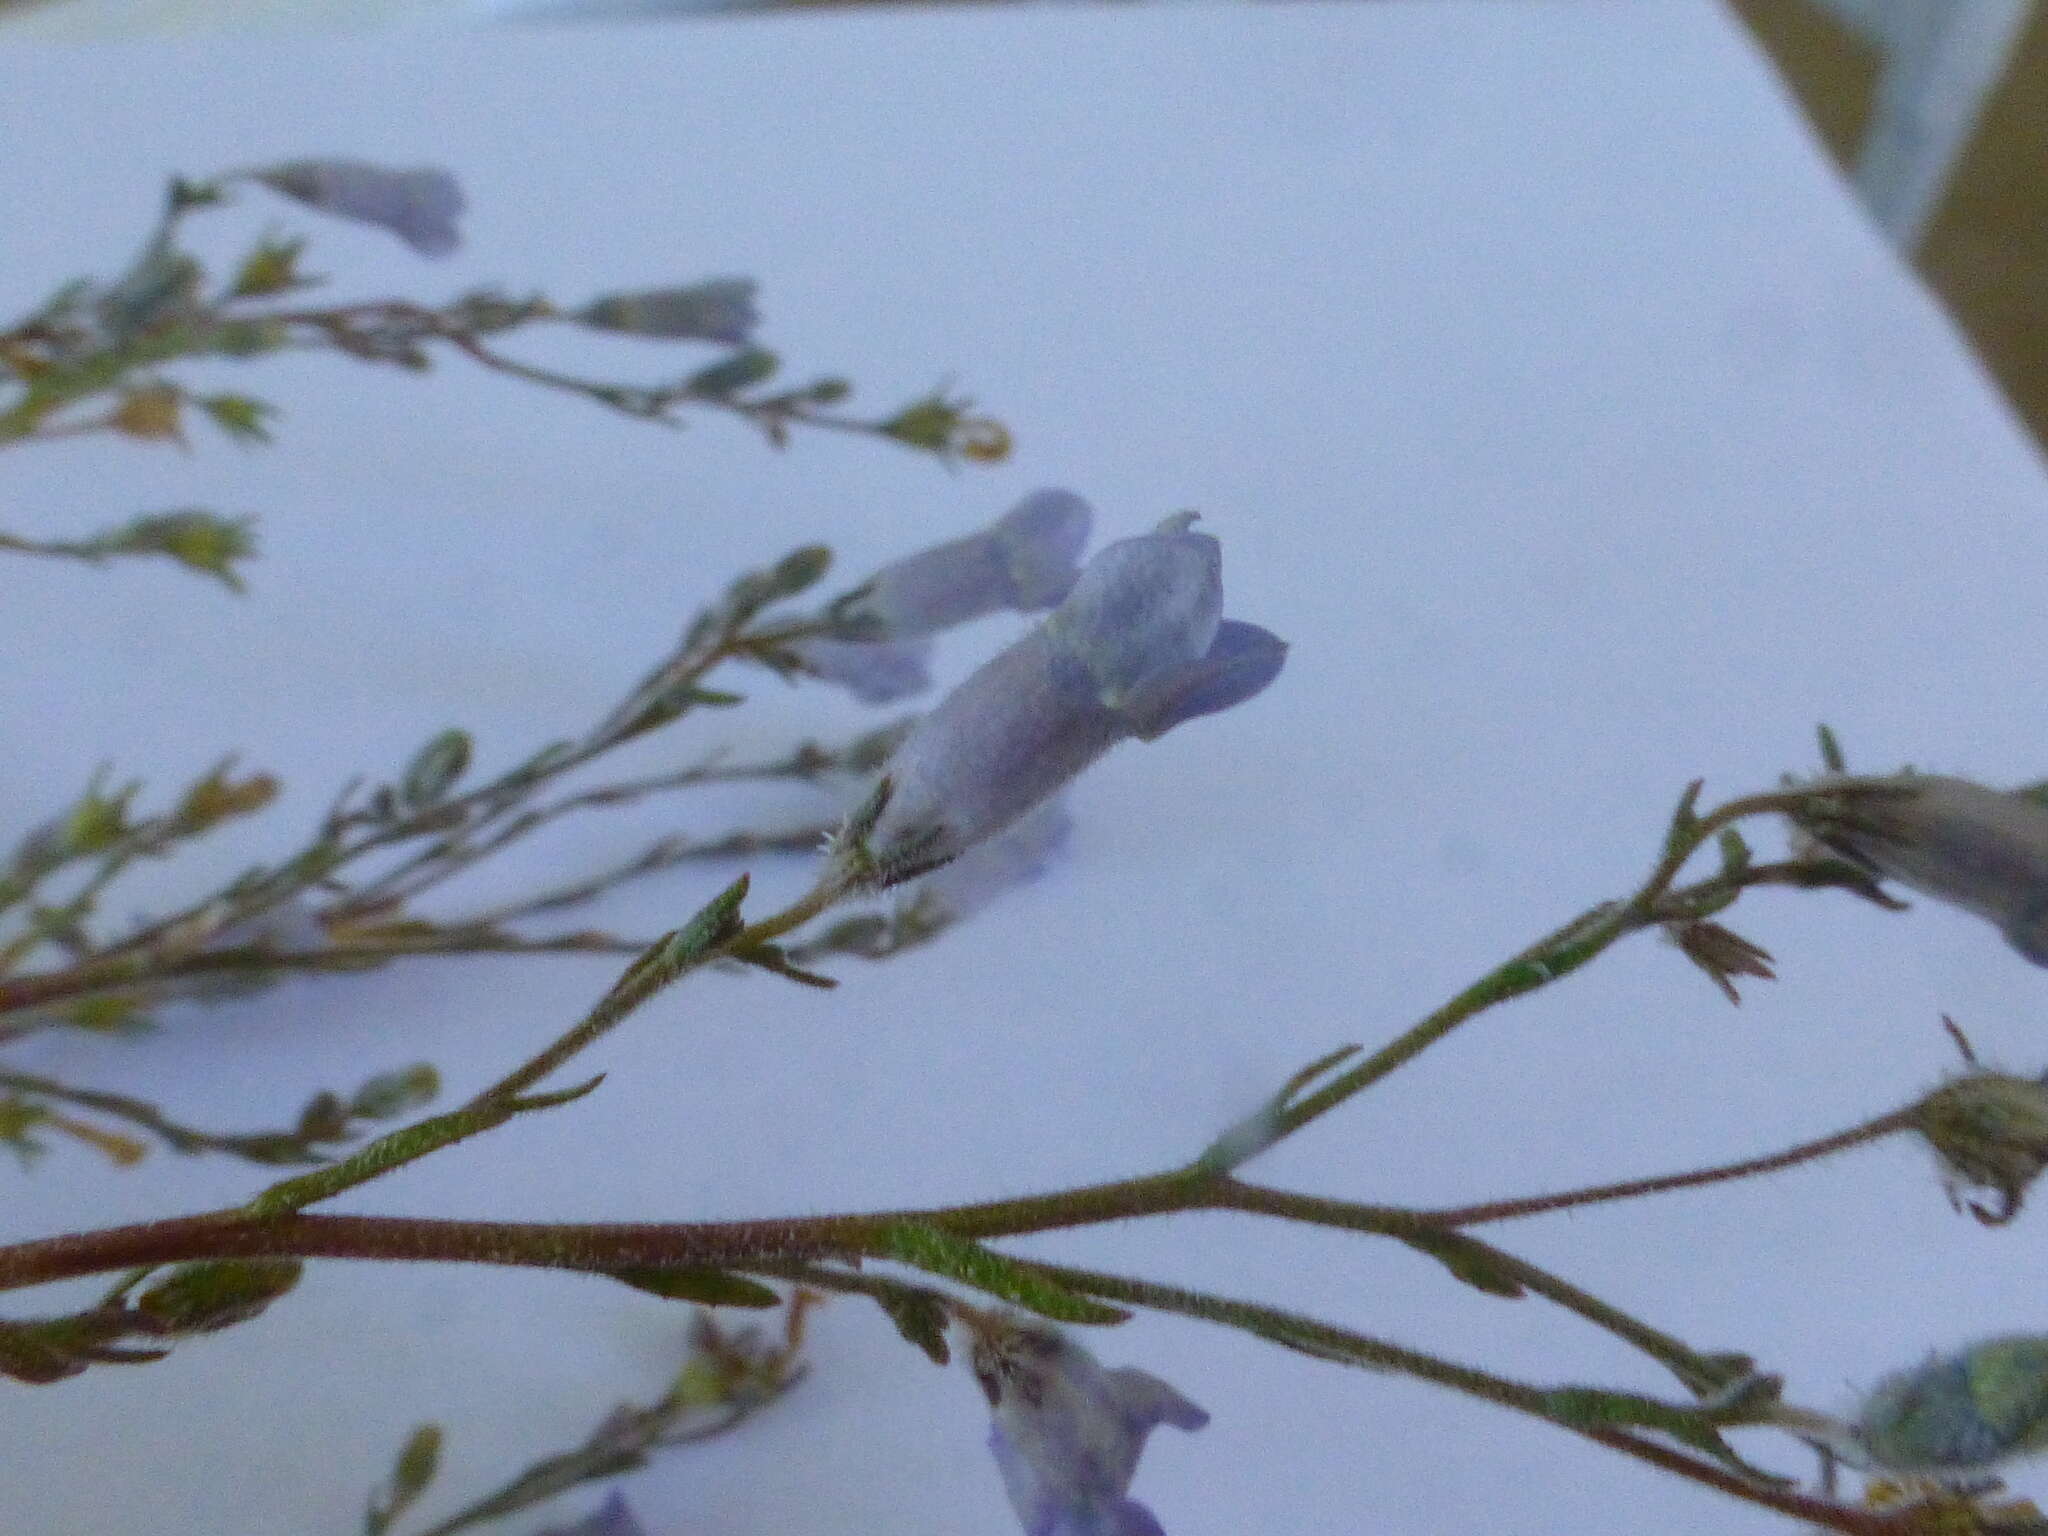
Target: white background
1548, 394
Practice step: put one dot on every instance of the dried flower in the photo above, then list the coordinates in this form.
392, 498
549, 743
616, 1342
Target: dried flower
721, 309
1025, 561
1990, 1130
1137, 647
875, 672
1067, 1433
419, 206
1959, 1413
1985, 850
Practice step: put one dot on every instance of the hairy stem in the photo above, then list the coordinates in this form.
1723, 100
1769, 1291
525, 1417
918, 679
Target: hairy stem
1888, 1124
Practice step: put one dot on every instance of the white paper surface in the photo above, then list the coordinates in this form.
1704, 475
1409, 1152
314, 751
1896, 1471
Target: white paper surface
1547, 393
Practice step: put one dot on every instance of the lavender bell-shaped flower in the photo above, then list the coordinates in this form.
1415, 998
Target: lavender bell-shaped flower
1138, 647
1982, 849
880, 646
419, 206
1067, 1433
1026, 561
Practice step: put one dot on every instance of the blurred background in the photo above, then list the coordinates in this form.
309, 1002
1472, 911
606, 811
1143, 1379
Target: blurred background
1936, 107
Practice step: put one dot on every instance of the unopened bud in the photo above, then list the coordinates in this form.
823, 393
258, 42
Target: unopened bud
1990, 1130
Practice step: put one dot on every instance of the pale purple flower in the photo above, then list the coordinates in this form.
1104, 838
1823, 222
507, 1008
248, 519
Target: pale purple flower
419, 206
720, 309
1025, 561
875, 672
1982, 849
611, 1518
1138, 647
1067, 1433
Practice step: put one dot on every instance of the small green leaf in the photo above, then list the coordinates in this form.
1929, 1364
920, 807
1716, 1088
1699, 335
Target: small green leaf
272, 267
1831, 751
801, 569
708, 1287
216, 1293
715, 922
1596, 1408
241, 417
1735, 857
198, 540
435, 768
940, 1253
1468, 1259
919, 1315
742, 370
419, 1460
930, 424
389, 1094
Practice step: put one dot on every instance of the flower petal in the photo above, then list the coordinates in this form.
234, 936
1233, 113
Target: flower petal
1143, 607
1241, 662
1148, 1402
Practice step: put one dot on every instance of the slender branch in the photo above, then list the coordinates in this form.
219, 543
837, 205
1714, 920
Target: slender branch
1888, 1124
1700, 1373
1558, 954
643, 981
1325, 1341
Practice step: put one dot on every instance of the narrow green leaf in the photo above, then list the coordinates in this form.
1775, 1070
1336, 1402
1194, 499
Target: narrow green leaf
709, 1287
940, 1253
1831, 751
1597, 1408
919, 1315
1469, 1260
216, 1293
419, 1460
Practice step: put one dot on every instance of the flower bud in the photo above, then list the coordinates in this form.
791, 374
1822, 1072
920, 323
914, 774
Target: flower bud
1990, 1130
1982, 849
418, 206
1964, 1412
721, 309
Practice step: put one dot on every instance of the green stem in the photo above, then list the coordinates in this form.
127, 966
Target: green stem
1555, 956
